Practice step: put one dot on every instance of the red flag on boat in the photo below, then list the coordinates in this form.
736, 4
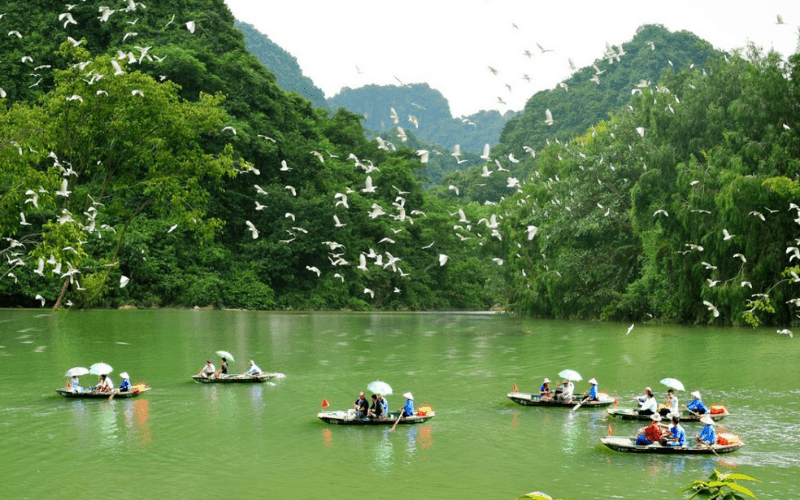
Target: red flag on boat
325, 403
609, 430
515, 387
69, 386
615, 401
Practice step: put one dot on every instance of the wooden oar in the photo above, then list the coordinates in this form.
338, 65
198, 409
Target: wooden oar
396, 421
709, 447
579, 404
112, 395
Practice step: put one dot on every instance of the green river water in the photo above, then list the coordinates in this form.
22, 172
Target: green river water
188, 440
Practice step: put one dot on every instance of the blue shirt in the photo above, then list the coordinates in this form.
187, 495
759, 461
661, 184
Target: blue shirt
409, 407
708, 434
697, 406
593, 392
384, 406
677, 432
125, 386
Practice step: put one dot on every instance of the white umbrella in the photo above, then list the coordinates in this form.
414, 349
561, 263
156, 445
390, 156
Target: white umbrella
226, 355
76, 372
379, 387
673, 383
570, 375
100, 369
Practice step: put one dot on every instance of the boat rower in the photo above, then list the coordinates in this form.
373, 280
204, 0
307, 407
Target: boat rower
708, 435
696, 406
254, 369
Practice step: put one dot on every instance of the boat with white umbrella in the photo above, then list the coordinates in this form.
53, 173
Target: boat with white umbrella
96, 369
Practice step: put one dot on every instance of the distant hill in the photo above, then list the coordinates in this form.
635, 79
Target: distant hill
582, 102
429, 106
585, 102
282, 64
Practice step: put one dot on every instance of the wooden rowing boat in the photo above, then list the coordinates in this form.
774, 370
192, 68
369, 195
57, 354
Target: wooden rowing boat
526, 399
69, 393
631, 414
236, 379
346, 418
628, 444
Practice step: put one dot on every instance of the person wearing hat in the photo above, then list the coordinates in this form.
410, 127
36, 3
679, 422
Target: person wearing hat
708, 435
653, 433
696, 406
677, 434
566, 392
593, 394
254, 369
207, 370
408, 409
544, 390
125, 386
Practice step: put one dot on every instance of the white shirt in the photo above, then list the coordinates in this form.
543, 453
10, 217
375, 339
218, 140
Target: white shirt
107, 383
649, 404
254, 370
673, 407
568, 390
209, 368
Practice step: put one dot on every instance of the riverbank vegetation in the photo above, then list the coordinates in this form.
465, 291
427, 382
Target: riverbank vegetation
164, 166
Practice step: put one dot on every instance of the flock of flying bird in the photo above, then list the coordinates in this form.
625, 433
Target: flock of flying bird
65, 270
399, 213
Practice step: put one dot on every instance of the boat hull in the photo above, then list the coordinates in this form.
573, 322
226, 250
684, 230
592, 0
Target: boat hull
526, 399
67, 393
630, 414
235, 379
628, 445
341, 418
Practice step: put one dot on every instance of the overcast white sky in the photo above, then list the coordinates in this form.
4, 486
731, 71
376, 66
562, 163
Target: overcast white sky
449, 44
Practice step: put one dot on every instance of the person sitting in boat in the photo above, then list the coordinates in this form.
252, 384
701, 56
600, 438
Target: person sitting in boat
223, 368
653, 433
670, 405
641, 399
696, 405
677, 434
125, 386
544, 390
254, 369
361, 405
557, 392
384, 404
207, 370
649, 405
708, 435
75, 384
376, 410
566, 392
104, 384
593, 395
408, 409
